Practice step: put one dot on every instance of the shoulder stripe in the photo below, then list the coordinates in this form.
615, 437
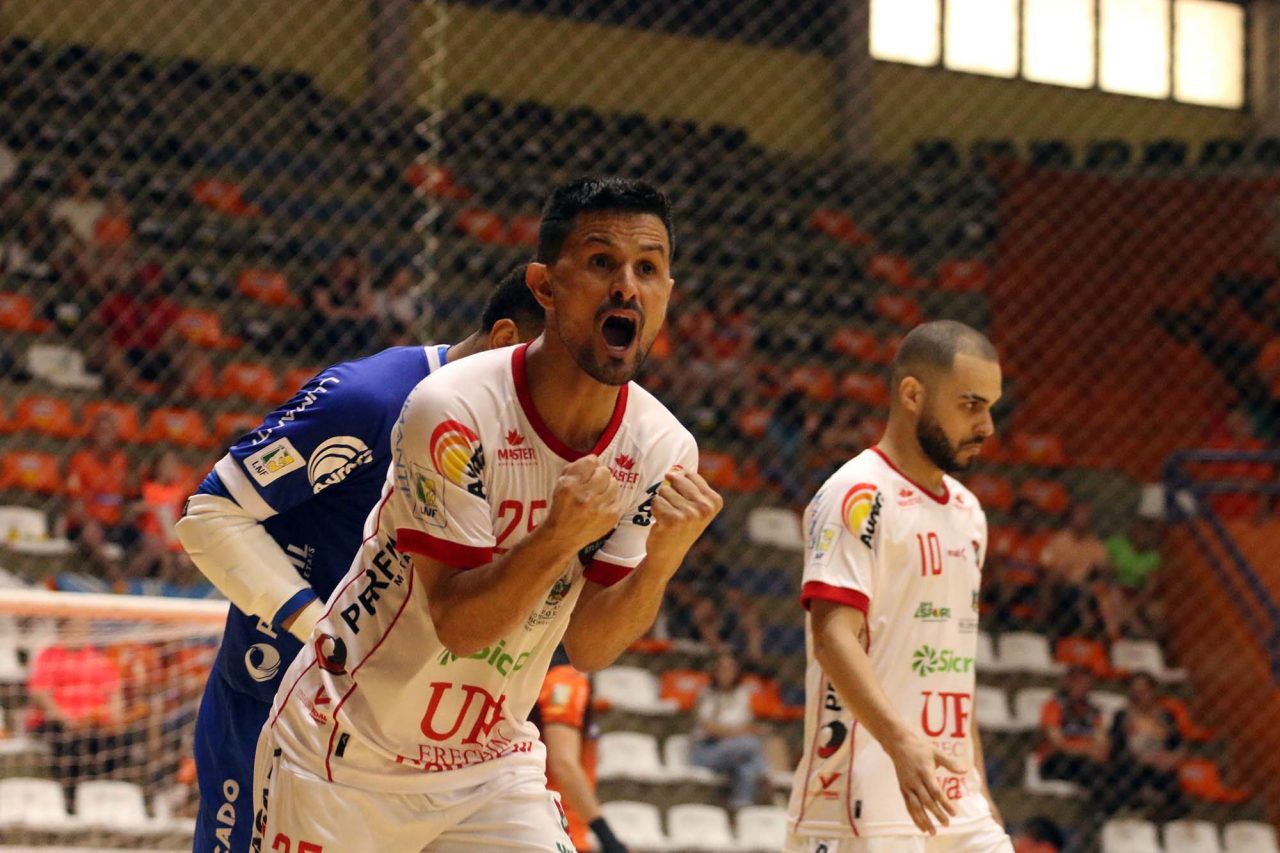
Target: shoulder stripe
233, 477
835, 594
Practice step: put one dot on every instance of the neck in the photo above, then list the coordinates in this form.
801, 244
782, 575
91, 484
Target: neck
575, 407
470, 345
900, 445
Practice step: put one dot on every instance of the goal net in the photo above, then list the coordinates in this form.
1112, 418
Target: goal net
98, 700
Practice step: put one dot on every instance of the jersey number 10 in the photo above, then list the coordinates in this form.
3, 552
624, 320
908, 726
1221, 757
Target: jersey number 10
930, 554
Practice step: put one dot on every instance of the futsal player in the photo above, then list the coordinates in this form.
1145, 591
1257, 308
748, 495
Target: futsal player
275, 525
894, 548
535, 495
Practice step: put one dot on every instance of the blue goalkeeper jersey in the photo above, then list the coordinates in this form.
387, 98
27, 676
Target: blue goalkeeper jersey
310, 474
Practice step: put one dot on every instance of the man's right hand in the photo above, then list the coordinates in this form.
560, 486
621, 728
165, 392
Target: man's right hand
586, 504
915, 761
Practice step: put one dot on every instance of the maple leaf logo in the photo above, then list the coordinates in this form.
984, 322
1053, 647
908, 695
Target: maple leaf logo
905, 493
624, 461
514, 438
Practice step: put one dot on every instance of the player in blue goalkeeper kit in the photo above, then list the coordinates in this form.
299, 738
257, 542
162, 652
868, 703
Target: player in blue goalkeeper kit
275, 526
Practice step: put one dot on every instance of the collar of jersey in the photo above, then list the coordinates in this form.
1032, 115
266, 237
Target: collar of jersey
550, 439
943, 498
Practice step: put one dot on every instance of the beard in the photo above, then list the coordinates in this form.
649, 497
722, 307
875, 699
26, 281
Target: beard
938, 448
605, 369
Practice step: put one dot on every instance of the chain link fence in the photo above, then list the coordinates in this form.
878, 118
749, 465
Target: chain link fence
201, 204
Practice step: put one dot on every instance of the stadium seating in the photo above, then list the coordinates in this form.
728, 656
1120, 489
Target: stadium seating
30, 471
116, 806
1036, 784
991, 710
1130, 836
761, 828
1022, 651
33, 804
694, 826
633, 689
1132, 656
638, 825
44, 415
1249, 837
676, 763
127, 417
629, 755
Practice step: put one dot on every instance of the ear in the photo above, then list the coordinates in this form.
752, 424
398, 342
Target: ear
504, 333
911, 394
538, 278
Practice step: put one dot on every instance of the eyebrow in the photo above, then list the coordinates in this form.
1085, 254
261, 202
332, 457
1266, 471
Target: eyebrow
974, 397
605, 241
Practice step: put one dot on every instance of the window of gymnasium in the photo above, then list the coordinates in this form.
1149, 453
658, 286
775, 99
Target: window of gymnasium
1188, 50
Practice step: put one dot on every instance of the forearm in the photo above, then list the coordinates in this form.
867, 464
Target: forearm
43, 699
845, 662
472, 609
609, 619
572, 782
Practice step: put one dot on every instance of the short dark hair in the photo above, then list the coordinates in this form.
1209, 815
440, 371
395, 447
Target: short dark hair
1041, 828
596, 195
513, 300
932, 347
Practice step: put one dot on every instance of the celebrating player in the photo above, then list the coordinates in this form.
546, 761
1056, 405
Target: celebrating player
534, 494
893, 561
275, 526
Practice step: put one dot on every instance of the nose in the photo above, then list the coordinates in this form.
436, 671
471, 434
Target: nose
988, 426
625, 286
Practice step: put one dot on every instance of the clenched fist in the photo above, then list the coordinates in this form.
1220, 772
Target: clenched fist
586, 503
682, 509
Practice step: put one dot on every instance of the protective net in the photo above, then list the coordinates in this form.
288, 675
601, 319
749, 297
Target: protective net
202, 203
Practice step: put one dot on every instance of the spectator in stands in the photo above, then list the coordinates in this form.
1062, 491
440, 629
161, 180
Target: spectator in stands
79, 209
786, 439
343, 321
1038, 834
1146, 749
1017, 556
1074, 738
398, 306
78, 705
166, 569
113, 228
1135, 558
727, 739
1077, 566
841, 435
28, 249
98, 485
147, 353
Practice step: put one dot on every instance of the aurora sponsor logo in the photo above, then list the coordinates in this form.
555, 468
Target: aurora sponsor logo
928, 660
457, 454
860, 510
335, 459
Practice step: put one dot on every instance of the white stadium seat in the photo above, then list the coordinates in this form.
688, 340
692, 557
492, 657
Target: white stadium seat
118, 806
637, 825
1130, 836
1108, 703
693, 826
1250, 836
762, 828
1037, 784
1023, 651
675, 758
630, 688
629, 755
1191, 836
11, 669
62, 367
991, 710
36, 804
1143, 656
1028, 704
986, 657
775, 526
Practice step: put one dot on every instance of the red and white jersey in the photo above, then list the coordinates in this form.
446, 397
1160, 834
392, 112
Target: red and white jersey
375, 700
911, 560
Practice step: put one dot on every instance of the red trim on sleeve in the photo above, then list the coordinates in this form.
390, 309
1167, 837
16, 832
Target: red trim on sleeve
453, 554
520, 375
943, 498
605, 574
838, 594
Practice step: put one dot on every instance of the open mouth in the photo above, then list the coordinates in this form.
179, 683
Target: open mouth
619, 331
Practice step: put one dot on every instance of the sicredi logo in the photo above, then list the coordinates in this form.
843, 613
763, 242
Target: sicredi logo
928, 660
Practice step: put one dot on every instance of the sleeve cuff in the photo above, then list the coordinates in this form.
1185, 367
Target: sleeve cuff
411, 541
296, 602
605, 574
836, 594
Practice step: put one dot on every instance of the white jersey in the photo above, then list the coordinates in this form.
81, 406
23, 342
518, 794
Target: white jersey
911, 560
375, 700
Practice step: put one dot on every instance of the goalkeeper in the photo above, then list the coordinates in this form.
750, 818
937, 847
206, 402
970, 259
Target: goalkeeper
275, 526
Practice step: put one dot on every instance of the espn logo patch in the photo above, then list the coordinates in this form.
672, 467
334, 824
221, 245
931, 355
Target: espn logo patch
273, 462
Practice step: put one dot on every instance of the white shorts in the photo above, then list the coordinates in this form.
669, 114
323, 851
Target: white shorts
297, 812
988, 838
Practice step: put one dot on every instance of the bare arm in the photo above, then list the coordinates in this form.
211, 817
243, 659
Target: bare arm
564, 765
839, 644
606, 620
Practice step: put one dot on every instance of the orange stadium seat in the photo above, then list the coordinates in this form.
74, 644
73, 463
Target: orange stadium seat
817, 383
17, 314
889, 348
435, 180
1200, 778
964, 276
1181, 714
719, 469
225, 197
479, 224
994, 450
296, 377
204, 328
898, 308
683, 686
1040, 449
869, 389
249, 381
45, 415
1084, 652
1047, 495
30, 471
523, 230
839, 226
754, 421
858, 344
267, 286
894, 269
126, 414
6, 423
231, 425
178, 426
991, 490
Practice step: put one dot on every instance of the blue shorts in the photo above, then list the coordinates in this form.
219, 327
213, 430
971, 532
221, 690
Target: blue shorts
227, 730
